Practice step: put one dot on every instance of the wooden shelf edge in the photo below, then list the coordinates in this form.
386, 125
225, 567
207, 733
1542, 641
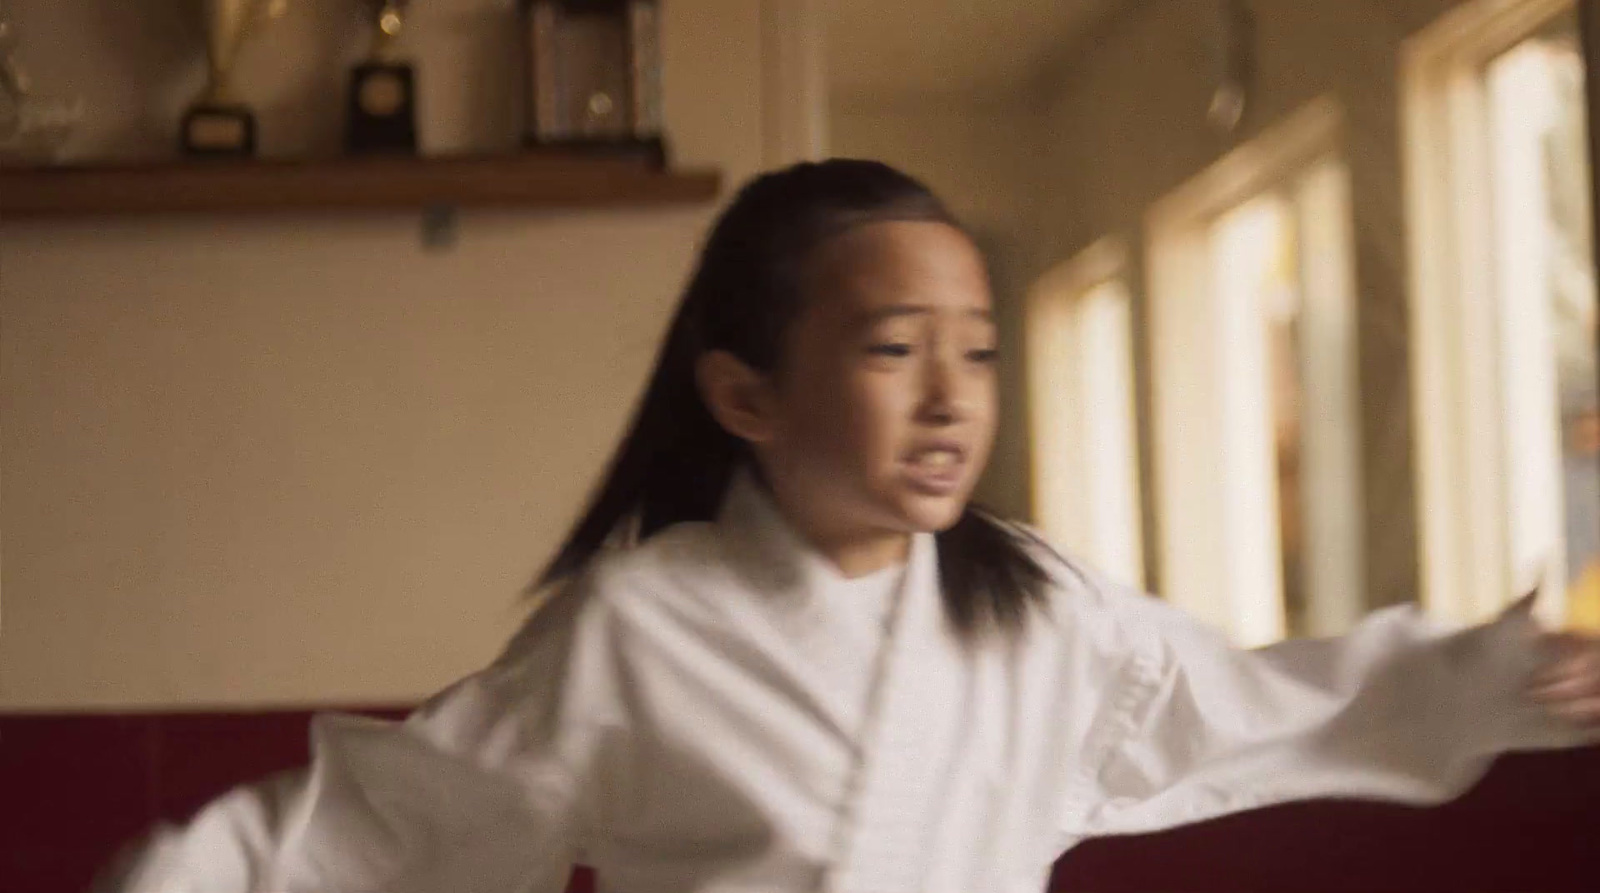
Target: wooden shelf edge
530, 181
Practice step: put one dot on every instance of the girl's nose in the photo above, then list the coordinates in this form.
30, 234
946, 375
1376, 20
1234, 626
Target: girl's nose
948, 395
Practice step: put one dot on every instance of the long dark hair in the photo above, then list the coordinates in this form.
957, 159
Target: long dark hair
676, 461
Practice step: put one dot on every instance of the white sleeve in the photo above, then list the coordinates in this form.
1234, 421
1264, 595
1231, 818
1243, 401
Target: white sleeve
1400, 709
483, 788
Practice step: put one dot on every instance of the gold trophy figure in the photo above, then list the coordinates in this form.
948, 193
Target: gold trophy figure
218, 124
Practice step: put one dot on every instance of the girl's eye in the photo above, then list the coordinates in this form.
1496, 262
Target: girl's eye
984, 355
890, 350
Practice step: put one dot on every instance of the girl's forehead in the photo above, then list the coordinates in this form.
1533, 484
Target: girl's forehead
900, 261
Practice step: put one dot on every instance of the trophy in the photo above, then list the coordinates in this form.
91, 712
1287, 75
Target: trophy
593, 76
382, 104
33, 126
219, 124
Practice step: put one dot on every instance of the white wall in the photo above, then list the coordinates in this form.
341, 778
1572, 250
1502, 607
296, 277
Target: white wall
300, 459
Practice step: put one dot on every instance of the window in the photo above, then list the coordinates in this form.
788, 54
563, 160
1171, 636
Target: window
1255, 409
1504, 312
1085, 443
1256, 258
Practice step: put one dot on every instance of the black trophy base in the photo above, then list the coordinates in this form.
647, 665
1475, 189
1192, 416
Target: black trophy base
381, 112
218, 131
651, 151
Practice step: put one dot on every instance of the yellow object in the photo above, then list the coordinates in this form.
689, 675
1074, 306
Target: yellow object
1583, 601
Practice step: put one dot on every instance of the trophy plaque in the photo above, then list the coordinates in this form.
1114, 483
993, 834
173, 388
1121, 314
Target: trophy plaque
219, 124
593, 76
382, 105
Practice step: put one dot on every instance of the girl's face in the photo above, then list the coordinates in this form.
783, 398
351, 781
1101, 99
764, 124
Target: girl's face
881, 416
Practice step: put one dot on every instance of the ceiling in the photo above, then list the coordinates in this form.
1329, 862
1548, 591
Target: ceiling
881, 50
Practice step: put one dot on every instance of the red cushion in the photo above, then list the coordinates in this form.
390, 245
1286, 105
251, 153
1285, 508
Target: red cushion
1532, 824
76, 788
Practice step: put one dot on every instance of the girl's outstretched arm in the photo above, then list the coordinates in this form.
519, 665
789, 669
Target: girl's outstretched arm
483, 788
1400, 709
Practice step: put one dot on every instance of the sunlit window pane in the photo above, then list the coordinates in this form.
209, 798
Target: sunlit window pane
1544, 278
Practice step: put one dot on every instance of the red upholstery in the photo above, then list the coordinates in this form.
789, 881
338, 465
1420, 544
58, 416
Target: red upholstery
75, 788
1533, 824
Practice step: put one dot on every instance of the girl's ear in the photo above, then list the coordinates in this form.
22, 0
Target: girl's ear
739, 397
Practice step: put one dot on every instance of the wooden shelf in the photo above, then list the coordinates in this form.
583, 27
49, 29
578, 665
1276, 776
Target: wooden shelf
346, 184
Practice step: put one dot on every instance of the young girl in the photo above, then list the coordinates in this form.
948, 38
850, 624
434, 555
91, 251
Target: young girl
785, 654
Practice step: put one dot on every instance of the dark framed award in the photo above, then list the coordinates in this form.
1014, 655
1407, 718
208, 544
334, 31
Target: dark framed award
381, 107
592, 77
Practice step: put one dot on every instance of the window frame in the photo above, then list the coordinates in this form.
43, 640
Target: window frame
1457, 398
1215, 483
1063, 505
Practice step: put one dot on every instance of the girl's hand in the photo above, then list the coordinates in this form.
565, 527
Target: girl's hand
1569, 685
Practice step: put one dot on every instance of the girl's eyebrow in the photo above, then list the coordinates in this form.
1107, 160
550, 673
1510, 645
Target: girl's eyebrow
894, 311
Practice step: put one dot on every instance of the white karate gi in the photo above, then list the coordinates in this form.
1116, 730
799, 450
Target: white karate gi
719, 710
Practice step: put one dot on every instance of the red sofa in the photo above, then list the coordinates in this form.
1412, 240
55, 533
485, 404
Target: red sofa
75, 788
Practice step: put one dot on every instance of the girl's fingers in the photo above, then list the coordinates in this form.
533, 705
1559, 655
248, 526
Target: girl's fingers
1583, 711
1569, 686
1577, 686
1574, 672
1570, 655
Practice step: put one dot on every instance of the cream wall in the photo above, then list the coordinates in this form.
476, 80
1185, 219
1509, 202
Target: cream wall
983, 159
1127, 121
301, 459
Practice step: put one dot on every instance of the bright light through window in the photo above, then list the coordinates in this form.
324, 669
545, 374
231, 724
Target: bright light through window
1544, 283
1086, 452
